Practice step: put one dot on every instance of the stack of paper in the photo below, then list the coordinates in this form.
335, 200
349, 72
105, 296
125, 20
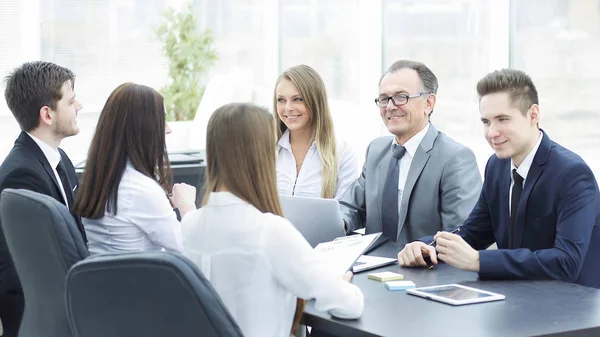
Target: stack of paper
386, 276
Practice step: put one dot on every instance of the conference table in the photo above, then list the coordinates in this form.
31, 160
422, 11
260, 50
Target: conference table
531, 308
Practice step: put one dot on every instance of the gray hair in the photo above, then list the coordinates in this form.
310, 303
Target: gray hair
428, 78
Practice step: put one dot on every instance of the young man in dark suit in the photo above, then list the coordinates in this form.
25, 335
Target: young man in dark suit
539, 202
41, 97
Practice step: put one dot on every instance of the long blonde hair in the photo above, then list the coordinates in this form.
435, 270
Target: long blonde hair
313, 92
240, 155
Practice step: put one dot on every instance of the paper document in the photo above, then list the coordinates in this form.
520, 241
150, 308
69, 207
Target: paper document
366, 262
341, 254
360, 231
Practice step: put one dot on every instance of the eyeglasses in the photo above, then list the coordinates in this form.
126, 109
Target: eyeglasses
397, 100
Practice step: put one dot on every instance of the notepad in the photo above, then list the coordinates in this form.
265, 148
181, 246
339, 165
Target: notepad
399, 285
386, 276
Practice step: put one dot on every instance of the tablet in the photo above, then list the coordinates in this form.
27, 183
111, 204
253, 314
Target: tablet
455, 294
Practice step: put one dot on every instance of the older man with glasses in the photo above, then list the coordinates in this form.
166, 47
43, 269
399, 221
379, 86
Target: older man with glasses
418, 181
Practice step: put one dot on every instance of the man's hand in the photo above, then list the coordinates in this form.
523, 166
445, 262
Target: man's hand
453, 250
414, 254
347, 276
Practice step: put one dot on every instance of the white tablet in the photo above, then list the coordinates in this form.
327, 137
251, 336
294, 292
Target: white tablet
455, 294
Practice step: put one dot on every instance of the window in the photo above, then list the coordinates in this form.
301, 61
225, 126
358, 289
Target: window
10, 42
239, 33
559, 47
452, 39
325, 36
105, 42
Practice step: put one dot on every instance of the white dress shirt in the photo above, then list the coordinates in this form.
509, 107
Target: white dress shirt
411, 147
144, 221
523, 169
259, 264
308, 182
53, 157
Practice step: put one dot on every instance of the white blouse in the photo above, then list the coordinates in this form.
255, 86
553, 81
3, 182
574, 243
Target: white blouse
144, 221
308, 182
259, 264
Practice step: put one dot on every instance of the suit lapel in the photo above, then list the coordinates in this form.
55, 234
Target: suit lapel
28, 142
504, 202
382, 171
535, 171
416, 167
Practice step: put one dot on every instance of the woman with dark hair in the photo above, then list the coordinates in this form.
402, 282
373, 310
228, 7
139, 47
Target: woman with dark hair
260, 265
124, 195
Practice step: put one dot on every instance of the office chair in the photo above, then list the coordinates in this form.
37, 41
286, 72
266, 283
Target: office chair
44, 242
148, 294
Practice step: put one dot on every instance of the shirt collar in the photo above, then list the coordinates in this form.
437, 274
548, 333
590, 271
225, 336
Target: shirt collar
413, 143
52, 154
284, 141
223, 199
523, 169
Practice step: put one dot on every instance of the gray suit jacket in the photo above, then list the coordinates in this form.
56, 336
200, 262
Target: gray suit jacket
442, 187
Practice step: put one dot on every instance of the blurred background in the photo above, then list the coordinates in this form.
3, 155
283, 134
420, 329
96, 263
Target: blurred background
349, 42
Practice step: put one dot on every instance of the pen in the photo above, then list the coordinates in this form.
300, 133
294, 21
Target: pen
452, 232
432, 243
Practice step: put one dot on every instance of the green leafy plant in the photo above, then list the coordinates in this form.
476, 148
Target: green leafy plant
190, 54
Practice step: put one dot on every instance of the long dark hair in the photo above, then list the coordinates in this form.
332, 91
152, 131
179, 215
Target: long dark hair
131, 126
240, 154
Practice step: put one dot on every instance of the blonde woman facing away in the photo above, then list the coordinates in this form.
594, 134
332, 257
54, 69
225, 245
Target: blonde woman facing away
259, 264
310, 161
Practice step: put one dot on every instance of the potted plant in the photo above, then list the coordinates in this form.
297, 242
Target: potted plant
190, 54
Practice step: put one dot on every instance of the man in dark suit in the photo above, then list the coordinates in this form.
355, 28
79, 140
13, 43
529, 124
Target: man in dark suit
41, 97
540, 202
434, 182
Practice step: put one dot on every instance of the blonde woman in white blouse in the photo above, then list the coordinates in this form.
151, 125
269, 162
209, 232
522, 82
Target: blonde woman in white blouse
260, 265
310, 161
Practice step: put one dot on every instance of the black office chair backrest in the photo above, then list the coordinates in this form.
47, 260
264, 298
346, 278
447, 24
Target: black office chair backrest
44, 242
148, 294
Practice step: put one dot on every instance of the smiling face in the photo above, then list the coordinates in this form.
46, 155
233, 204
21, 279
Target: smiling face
406, 120
291, 108
509, 132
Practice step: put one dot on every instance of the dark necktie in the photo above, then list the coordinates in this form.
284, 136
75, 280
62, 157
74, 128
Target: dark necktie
517, 190
62, 173
389, 197
64, 180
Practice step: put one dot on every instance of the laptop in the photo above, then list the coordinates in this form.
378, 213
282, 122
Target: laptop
317, 219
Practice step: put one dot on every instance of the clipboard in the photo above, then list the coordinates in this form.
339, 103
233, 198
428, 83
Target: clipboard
343, 252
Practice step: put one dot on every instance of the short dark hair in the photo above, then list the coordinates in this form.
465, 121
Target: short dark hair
131, 127
428, 78
516, 83
32, 86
